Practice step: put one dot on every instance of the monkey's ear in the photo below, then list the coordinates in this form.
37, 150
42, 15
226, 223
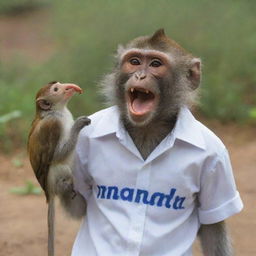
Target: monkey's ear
43, 104
158, 37
194, 73
158, 34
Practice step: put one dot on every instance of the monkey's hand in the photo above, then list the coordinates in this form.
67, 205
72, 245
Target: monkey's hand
80, 123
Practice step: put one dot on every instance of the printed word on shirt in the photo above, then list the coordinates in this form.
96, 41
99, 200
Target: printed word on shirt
141, 196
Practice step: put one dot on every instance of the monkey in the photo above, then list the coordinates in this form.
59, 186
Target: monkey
152, 83
51, 143
155, 78
158, 73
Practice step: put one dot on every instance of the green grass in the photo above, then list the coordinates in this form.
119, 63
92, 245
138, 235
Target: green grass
87, 33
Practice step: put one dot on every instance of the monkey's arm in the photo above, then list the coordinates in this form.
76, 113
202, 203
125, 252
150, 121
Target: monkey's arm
68, 188
63, 151
215, 240
218, 200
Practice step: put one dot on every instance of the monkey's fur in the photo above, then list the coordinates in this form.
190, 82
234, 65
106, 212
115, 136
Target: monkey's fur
51, 143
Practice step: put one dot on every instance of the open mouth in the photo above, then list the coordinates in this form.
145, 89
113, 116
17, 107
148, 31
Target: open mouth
141, 101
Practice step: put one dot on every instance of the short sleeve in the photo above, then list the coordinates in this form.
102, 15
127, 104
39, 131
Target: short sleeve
82, 181
218, 197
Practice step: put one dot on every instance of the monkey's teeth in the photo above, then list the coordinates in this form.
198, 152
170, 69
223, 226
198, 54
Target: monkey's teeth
147, 91
132, 89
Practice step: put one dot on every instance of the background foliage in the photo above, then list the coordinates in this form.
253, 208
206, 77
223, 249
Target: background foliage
86, 34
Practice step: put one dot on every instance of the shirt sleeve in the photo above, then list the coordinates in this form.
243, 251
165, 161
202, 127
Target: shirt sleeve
218, 197
82, 180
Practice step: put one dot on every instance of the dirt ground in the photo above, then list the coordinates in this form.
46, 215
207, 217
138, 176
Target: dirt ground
23, 218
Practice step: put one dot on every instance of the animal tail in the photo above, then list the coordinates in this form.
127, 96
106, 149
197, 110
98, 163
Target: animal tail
51, 228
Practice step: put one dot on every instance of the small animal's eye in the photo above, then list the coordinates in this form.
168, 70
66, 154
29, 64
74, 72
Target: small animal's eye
134, 61
55, 89
155, 63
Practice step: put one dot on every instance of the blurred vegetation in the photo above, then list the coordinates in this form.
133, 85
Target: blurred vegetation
86, 34
28, 189
16, 7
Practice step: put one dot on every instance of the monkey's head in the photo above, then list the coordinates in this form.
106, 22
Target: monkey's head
55, 96
153, 78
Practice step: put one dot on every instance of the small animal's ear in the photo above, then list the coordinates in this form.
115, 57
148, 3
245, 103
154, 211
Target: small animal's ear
52, 82
194, 73
43, 104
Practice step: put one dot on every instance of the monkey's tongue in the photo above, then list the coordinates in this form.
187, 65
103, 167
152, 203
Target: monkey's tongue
142, 106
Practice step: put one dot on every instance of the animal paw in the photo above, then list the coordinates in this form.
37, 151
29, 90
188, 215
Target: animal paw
81, 122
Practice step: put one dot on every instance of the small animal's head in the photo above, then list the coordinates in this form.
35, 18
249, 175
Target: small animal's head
55, 95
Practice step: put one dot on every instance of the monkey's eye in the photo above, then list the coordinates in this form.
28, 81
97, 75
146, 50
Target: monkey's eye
55, 89
155, 63
134, 61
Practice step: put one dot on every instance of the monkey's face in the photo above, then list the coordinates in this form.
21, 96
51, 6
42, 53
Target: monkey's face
153, 79
55, 95
141, 82
62, 92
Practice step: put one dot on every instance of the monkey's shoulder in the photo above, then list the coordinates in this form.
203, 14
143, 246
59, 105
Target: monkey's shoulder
46, 130
102, 122
58, 120
211, 141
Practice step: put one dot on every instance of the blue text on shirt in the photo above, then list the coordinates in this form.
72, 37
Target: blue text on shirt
159, 199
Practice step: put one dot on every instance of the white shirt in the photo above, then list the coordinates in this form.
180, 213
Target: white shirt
151, 207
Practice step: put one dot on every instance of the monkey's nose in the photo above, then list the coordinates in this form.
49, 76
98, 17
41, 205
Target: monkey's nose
140, 76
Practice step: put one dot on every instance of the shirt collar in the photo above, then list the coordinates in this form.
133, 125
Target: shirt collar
108, 124
186, 129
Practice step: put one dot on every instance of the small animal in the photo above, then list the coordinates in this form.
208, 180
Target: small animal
51, 143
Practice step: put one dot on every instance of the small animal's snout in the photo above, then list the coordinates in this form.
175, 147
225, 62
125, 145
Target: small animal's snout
74, 87
140, 75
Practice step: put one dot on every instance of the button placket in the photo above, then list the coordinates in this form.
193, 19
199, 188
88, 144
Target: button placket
136, 231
